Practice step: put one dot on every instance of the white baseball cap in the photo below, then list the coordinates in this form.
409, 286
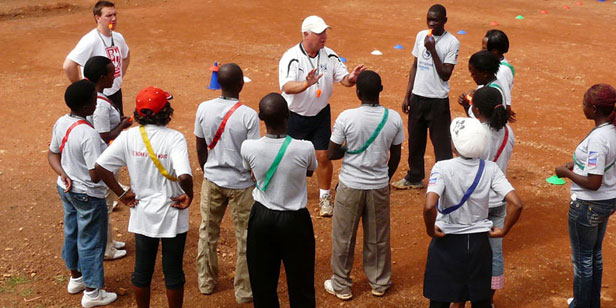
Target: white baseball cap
314, 24
469, 137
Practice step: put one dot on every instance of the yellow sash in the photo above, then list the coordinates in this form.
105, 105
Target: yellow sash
157, 163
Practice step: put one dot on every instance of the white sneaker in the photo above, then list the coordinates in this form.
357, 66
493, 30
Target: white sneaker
327, 210
569, 301
118, 244
330, 289
114, 254
75, 285
103, 298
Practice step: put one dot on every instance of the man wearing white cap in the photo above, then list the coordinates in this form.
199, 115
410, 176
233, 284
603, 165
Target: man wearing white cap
307, 72
459, 265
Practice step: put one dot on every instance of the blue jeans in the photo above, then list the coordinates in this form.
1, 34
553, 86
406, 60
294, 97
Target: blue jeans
85, 235
587, 224
497, 216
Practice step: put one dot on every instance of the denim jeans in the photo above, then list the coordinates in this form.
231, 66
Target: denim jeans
497, 216
587, 224
85, 235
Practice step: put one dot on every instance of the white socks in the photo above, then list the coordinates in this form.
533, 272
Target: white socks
92, 294
323, 192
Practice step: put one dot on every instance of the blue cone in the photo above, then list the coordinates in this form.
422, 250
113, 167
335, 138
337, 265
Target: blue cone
398, 47
461, 32
343, 60
214, 85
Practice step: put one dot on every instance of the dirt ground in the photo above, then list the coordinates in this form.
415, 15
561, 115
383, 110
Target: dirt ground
557, 56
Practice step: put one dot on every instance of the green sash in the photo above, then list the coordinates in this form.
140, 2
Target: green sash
374, 135
272, 169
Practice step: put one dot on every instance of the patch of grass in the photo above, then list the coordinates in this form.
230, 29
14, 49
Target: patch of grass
26, 292
8, 285
60, 278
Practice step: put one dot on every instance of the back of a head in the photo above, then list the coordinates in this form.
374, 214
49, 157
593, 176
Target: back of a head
79, 94
273, 110
98, 7
95, 68
230, 77
603, 97
485, 61
489, 101
498, 40
438, 8
369, 85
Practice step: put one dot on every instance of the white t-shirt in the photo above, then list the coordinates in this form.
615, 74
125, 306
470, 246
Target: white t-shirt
106, 117
451, 178
287, 188
505, 75
595, 153
153, 216
224, 163
96, 44
79, 155
368, 169
502, 89
295, 65
427, 81
494, 143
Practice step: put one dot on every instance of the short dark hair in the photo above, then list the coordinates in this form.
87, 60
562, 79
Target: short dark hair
489, 101
79, 94
98, 7
438, 8
498, 40
162, 118
273, 109
369, 85
95, 68
485, 61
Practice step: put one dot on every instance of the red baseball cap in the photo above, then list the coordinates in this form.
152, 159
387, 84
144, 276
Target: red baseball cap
152, 98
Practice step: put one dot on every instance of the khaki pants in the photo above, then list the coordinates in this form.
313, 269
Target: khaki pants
214, 201
372, 207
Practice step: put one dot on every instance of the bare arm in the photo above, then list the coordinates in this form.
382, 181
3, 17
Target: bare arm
514, 209
184, 200
394, 159
295, 87
56, 165
409, 87
71, 69
114, 133
443, 70
590, 182
429, 213
334, 151
125, 63
201, 152
350, 79
128, 197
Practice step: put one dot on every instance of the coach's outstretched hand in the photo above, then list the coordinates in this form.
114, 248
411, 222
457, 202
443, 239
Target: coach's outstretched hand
353, 75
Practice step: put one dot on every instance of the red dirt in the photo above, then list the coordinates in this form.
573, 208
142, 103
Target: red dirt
173, 43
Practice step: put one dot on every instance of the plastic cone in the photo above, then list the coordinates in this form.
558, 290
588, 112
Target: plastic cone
214, 85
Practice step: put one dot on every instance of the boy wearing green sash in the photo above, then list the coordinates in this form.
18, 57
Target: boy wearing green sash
279, 228
369, 139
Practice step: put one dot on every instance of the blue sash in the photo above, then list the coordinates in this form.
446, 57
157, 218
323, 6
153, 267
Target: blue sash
468, 193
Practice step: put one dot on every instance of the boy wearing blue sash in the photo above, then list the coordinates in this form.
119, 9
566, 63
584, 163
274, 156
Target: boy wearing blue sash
459, 265
369, 139
279, 227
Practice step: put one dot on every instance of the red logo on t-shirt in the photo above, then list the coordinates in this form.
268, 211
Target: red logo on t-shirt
113, 53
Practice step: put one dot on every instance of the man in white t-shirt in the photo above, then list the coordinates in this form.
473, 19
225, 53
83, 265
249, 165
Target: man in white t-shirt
459, 264
101, 41
373, 136
427, 96
280, 228
221, 125
307, 73
156, 157
73, 151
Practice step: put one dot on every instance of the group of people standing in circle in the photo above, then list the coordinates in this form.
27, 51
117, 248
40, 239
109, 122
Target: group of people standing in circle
470, 205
